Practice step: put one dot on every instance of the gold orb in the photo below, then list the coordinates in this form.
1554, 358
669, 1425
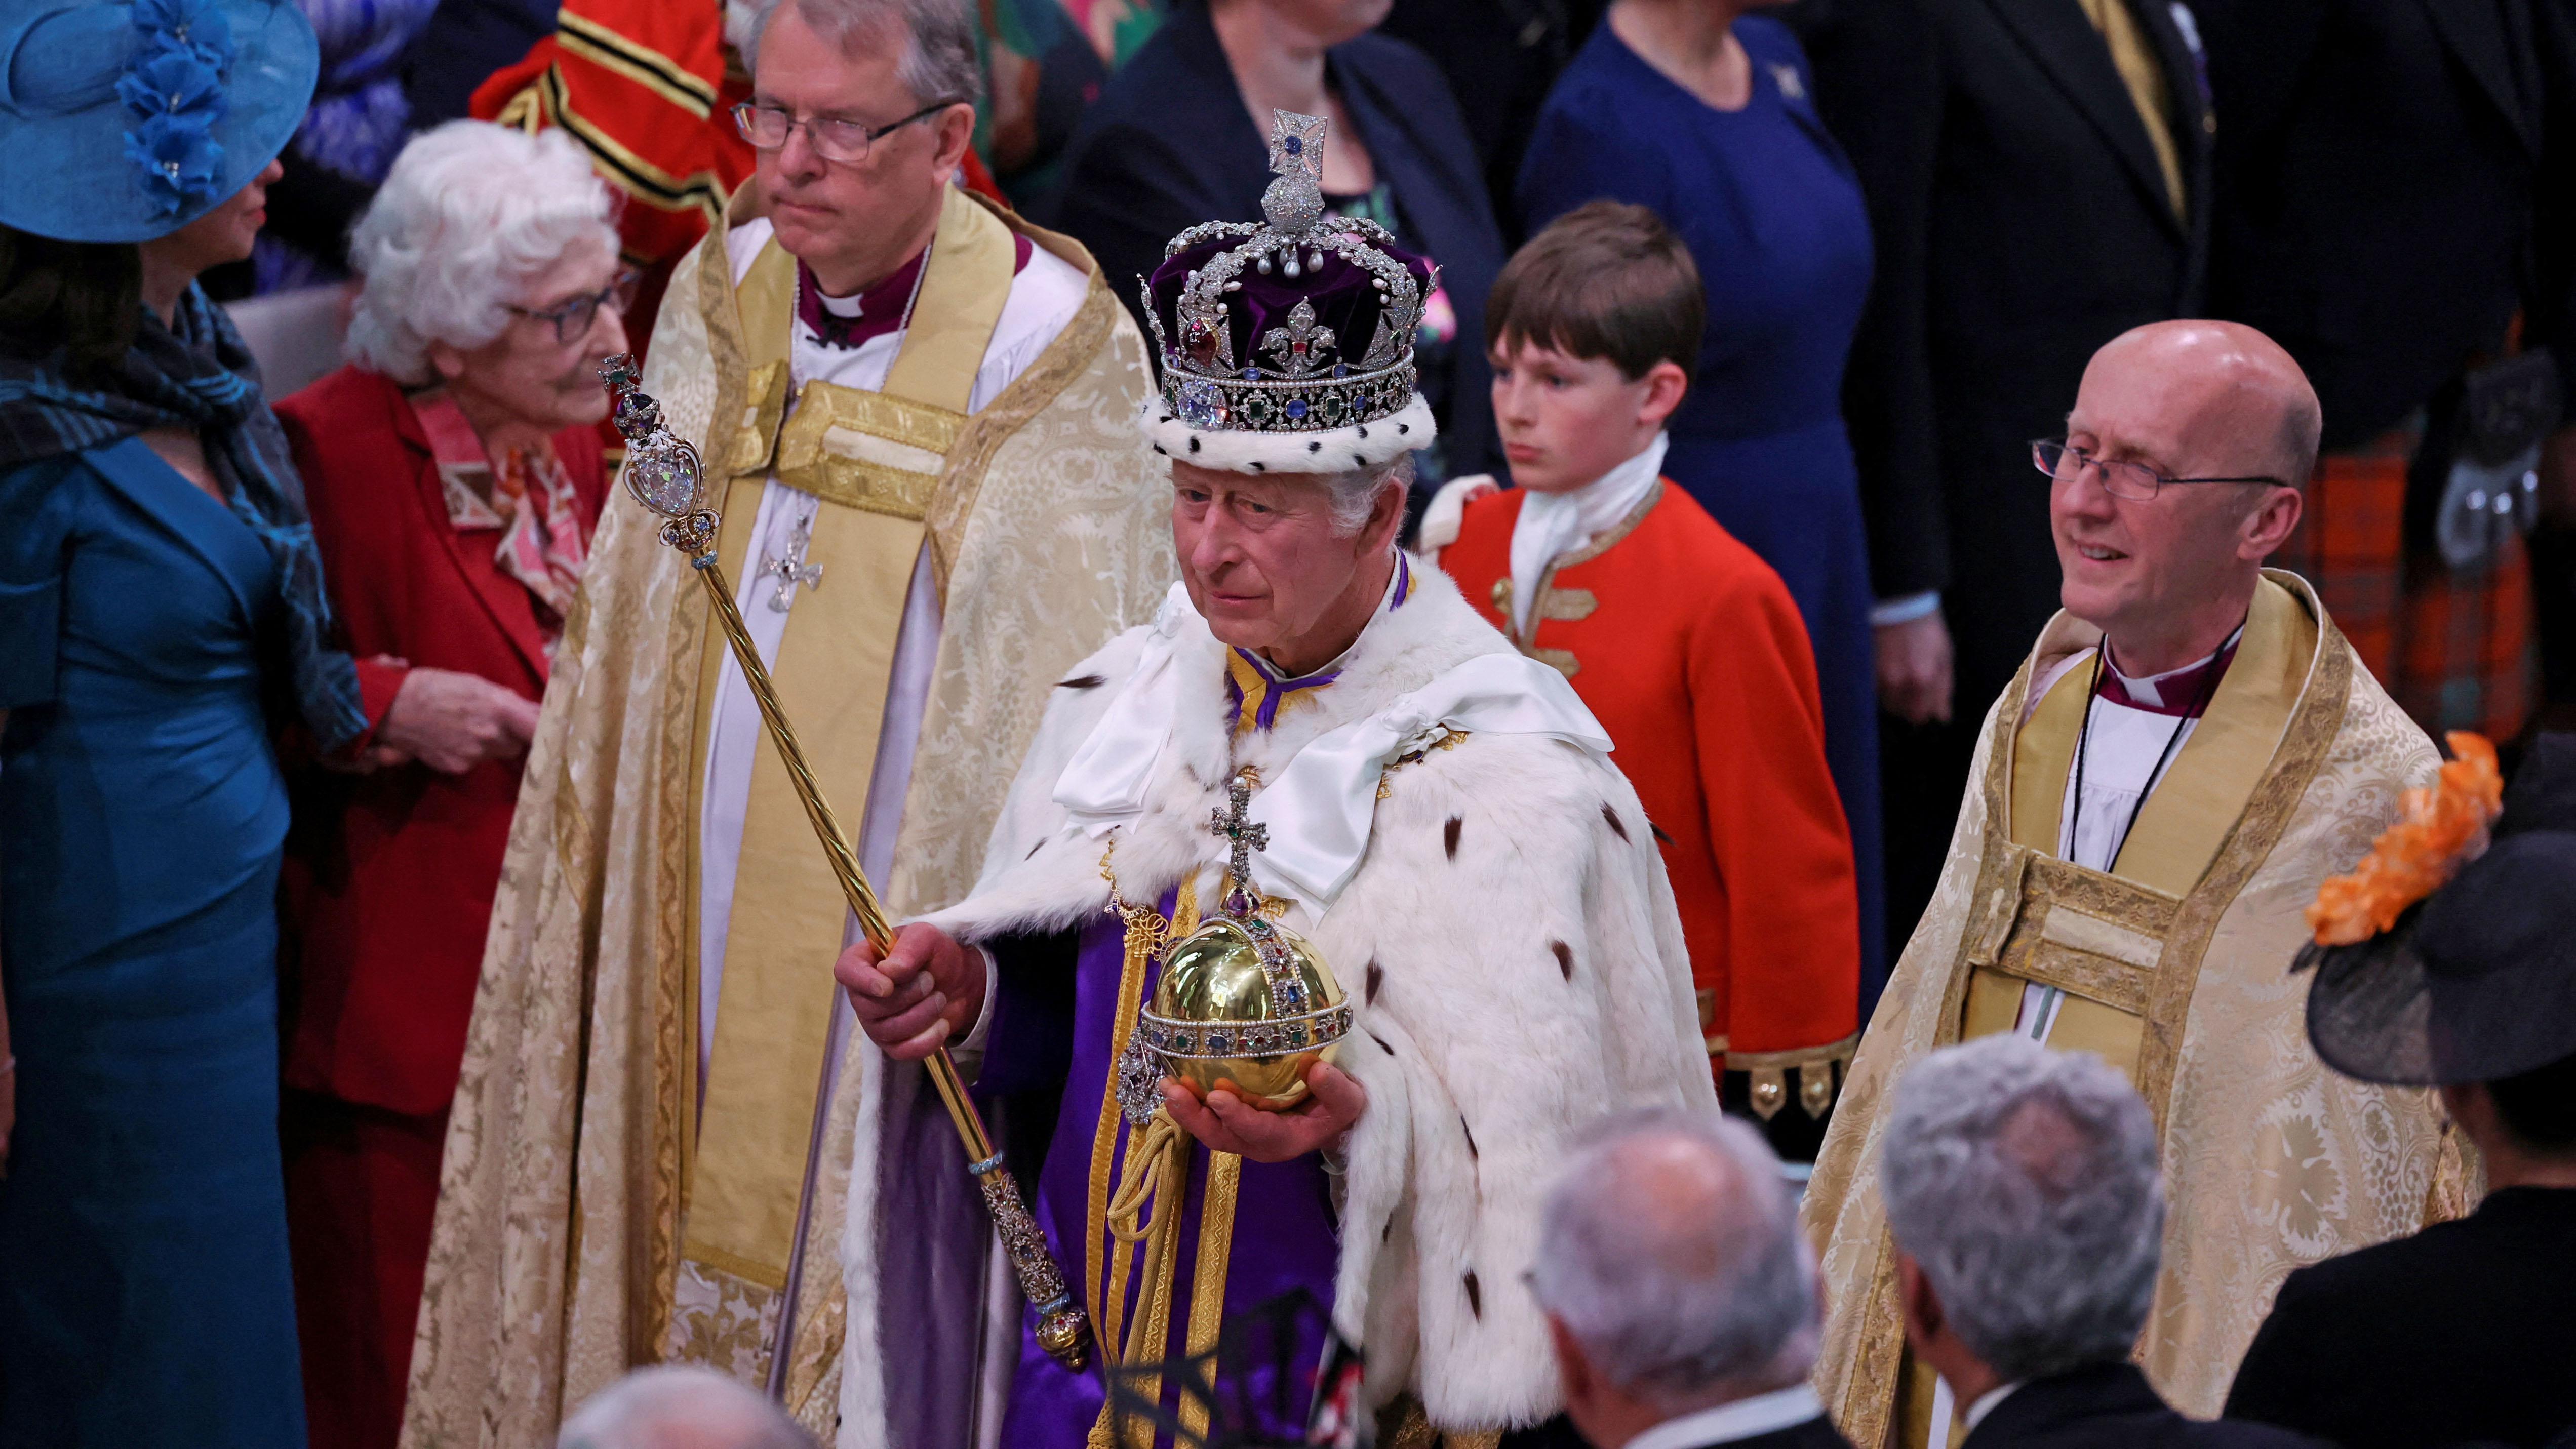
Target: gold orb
1247, 1005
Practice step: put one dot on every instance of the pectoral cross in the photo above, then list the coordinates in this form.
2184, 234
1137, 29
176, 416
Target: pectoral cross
791, 569
1246, 836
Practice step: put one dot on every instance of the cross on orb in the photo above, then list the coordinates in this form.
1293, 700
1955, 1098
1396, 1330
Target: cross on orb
1246, 836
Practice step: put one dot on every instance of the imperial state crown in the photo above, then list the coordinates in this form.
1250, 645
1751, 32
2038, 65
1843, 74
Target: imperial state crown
1287, 346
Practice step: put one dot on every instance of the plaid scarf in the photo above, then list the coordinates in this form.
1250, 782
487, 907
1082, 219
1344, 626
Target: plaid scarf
199, 375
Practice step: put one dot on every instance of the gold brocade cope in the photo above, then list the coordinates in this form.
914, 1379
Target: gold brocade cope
2127, 949
874, 459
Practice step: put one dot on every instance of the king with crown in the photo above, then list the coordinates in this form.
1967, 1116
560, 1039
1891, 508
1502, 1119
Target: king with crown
1317, 921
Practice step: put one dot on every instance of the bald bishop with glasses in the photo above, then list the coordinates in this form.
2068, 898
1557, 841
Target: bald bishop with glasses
2188, 750
917, 418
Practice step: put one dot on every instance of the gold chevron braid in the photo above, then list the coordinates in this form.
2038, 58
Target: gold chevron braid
1063, 1329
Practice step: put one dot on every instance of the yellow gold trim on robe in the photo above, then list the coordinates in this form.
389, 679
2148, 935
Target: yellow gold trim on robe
747, 1179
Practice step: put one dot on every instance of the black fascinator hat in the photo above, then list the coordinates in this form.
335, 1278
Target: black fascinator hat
2476, 981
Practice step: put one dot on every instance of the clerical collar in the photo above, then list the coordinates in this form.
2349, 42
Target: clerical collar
2177, 693
1258, 690
850, 321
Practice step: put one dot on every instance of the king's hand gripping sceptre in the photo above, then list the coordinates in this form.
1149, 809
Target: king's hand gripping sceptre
664, 473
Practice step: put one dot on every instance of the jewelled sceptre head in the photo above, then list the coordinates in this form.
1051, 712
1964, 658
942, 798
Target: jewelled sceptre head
666, 475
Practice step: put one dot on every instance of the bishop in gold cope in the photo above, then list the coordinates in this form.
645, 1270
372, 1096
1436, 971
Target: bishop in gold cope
911, 410
2189, 750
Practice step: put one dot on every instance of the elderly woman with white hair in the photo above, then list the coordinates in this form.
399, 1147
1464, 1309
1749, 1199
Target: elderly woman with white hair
454, 473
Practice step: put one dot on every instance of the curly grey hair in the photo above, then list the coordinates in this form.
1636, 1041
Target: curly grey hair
469, 214
2024, 1182
1676, 1295
940, 60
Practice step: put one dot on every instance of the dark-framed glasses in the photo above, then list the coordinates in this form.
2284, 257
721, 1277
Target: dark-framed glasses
836, 140
573, 315
2134, 481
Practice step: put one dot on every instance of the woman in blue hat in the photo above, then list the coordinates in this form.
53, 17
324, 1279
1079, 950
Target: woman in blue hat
162, 609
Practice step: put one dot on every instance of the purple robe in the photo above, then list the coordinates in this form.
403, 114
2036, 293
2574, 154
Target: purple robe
1284, 1230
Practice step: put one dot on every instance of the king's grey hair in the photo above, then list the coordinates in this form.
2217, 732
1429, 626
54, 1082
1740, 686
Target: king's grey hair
680, 1406
1678, 1294
940, 61
2024, 1183
1354, 493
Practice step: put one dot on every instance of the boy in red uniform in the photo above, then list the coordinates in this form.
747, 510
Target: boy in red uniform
1683, 642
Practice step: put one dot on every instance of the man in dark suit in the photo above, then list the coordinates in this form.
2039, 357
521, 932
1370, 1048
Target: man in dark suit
2037, 177
2393, 182
1173, 141
2467, 1330
2023, 1193
1684, 1304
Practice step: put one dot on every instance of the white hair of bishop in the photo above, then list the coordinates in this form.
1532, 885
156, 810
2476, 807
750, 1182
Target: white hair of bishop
1510, 945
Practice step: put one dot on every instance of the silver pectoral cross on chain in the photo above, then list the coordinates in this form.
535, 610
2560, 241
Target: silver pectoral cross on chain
1245, 836
790, 569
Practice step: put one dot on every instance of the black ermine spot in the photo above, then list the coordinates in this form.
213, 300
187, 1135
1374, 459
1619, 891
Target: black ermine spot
1659, 832
1376, 978
1381, 1043
1475, 1295
1612, 816
1470, 1136
1449, 835
1083, 681
1564, 958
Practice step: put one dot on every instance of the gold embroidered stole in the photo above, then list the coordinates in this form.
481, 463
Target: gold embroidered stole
1146, 1210
2125, 948
875, 458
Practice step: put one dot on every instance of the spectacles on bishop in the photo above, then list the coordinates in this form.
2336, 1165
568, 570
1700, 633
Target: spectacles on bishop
573, 315
2134, 481
835, 139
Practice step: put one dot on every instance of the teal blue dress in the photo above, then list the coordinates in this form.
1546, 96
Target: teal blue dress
144, 1291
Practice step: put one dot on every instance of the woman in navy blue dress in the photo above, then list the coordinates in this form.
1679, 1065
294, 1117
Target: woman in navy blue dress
161, 603
1703, 114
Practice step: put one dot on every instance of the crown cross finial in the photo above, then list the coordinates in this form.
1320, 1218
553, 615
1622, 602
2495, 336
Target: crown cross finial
1297, 145
1245, 836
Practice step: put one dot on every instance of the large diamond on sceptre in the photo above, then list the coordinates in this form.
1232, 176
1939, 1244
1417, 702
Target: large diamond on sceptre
663, 471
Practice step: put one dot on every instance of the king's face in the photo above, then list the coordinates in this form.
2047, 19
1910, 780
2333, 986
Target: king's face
1268, 567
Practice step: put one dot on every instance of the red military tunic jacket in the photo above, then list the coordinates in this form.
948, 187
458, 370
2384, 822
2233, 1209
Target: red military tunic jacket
1691, 653
390, 875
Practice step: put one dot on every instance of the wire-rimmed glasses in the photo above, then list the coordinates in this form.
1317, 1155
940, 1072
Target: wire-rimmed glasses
2134, 481
843, 142
573, 315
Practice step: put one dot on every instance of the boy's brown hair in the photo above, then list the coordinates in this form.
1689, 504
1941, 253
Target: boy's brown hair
1606, 280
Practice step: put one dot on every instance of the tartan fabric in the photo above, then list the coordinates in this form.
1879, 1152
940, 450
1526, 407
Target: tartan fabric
2454, 648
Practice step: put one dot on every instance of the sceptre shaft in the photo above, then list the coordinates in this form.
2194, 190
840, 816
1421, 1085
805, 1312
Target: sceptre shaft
664, 473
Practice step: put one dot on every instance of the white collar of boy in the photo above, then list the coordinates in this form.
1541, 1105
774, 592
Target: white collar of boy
1319, 809
1552, 525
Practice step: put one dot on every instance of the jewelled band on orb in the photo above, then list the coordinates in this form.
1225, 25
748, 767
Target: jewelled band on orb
1218, 1041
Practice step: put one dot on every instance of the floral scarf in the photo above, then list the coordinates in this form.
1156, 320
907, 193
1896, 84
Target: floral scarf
529, 498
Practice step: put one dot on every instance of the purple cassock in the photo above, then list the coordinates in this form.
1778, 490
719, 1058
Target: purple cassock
1284, 1228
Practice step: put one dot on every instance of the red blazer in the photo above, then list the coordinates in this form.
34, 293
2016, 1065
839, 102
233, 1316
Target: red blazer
390, 875
1689, 650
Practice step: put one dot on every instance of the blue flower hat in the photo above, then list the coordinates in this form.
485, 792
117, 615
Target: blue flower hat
123, 122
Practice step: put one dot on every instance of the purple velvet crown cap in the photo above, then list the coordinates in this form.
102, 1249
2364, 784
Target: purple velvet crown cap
1342, 295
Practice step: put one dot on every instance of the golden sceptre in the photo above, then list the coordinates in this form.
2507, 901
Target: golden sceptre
664, 473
